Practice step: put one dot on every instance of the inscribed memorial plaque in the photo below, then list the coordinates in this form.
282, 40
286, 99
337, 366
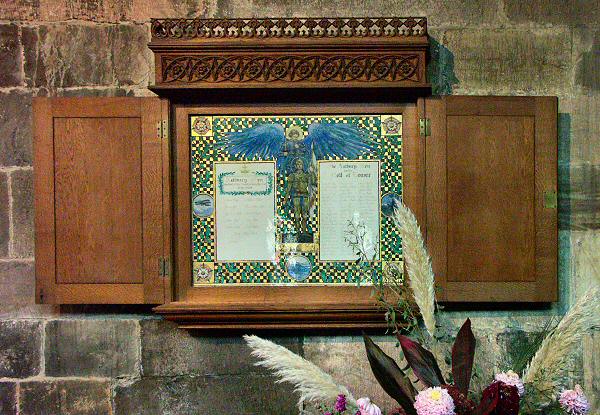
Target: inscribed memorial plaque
302, 227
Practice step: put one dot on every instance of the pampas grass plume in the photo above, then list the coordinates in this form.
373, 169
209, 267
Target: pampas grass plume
548, 364
310, 381
418, 265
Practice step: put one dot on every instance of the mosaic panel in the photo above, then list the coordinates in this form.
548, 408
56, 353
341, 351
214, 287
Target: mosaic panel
296, 143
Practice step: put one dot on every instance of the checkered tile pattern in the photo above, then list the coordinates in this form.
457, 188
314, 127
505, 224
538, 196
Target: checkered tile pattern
205, 150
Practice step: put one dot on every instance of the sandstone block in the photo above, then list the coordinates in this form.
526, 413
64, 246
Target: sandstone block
22, 196
105, 348
65, 397
15, 129
169, 351
20, 345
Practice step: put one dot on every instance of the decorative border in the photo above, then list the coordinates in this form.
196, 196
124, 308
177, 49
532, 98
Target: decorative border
291, 68
304, 27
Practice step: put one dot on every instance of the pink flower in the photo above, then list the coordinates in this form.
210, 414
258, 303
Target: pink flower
574, 401
512, 379
434, 401
340, 403
367, 407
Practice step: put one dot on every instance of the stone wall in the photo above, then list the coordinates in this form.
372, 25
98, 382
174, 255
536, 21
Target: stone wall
122, 360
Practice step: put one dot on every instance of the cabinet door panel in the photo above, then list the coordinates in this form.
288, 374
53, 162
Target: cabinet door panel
490, 161
98, 203
99, 200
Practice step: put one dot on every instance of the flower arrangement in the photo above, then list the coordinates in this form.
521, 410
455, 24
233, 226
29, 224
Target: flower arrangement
421, 388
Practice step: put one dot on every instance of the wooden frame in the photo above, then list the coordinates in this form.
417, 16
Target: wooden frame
259, 307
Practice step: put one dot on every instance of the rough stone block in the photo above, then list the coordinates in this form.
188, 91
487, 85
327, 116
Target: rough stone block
559, 12
19, 10
4, 215
345, 359
517, 345
439, 13
17, 283
20, 345
133, 61
585, 249
169, 351
591, 369
65, 397
10, 56
143, 10
67, 55
585, 196
240, 395
510, 61
106, 348
15, 129
102, 11
587, 44
585, 127
22, 197
8, 398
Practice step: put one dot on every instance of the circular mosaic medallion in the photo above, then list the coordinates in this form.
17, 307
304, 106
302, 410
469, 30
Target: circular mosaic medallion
389, 202
298, 267
203, 205
392, 125
201, 125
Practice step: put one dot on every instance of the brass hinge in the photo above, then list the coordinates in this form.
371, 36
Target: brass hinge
424, 127
164, 267
162, 129
550, 199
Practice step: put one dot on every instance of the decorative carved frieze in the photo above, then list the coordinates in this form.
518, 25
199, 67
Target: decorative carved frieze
291, 27
290, 68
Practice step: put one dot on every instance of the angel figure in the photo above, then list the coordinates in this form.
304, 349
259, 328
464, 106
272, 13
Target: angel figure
297, 152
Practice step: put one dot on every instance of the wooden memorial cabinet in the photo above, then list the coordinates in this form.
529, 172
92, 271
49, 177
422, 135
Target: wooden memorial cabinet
126, 188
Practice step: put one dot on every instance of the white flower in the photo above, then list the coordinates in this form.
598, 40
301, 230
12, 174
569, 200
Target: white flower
367, 407
434, 401
512, 379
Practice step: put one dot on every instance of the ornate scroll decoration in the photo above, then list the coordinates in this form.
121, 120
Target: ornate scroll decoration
293, 68
288, 28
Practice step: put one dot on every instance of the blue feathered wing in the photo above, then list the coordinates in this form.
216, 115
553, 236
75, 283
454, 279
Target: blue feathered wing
341, 140
264, 141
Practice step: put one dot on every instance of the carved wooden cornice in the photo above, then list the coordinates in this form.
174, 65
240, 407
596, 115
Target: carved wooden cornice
290, 52
290, 28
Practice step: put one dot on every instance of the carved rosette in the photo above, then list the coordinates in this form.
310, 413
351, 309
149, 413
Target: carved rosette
307, 52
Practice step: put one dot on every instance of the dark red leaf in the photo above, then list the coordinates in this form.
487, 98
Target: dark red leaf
463, 352
508, 400
390, 377
489, 400
422, 362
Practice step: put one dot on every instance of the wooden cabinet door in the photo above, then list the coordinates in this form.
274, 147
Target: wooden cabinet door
101, 200
491, 165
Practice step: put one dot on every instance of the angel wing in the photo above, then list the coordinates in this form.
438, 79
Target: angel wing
263, 140
342, 140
